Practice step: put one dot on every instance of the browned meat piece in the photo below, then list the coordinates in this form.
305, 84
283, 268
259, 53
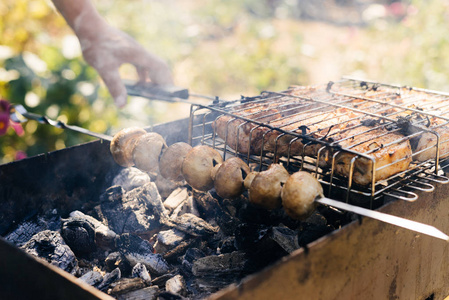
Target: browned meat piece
390, 151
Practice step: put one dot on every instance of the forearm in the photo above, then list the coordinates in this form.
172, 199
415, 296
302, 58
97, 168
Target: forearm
81, 16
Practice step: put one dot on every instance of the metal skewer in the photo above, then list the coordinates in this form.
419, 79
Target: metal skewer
394, 220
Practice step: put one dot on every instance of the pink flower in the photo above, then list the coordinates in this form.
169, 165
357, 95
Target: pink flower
20, 155
5, 122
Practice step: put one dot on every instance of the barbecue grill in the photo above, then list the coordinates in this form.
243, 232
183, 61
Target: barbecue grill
363, 259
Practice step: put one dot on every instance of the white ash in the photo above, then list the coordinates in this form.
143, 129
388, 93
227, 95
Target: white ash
92, 278
110, 278
176, 198
171, 237
155, 263
50, 245
140, 271
188, 207
131, 178
194, 225
176, 285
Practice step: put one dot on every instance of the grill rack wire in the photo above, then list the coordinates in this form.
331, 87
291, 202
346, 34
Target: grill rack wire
366, 99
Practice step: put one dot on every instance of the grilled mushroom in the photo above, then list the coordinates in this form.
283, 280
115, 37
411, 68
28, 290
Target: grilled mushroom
123, 143
171, 161
230, 177
197, 166
299, 193
147, 150
265, 189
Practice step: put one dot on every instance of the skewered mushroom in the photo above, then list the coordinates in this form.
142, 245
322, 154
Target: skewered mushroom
123, 143
299, 193
171, 161
197, 166
229, 178
147, 150
265, 189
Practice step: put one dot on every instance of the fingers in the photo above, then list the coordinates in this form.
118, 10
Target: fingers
111, 78
148, 64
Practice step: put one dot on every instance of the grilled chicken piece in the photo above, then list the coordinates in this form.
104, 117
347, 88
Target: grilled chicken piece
390, 151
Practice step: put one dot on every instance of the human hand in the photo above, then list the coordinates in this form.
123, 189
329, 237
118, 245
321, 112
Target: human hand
108, 48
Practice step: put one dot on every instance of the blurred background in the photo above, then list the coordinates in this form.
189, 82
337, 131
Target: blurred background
220, 48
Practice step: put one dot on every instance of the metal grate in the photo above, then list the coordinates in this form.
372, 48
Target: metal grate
363, 140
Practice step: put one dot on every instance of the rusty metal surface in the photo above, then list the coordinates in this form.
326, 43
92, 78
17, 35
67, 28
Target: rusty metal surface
368, 260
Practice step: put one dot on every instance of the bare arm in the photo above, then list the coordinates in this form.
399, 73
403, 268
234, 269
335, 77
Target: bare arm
106, 48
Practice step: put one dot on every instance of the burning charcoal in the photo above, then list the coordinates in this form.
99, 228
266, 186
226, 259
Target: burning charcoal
188, 207
310, 232
79, 234
138, 211
104, 237
227, 245
92, 278
112, 194
148, 293
247, 235
286, 238
191, 255
206, 203
110, 278
131, 178
168, 239
176, 285
217, 265
125, 285
50, 246
140, 271
169, 296
161, 280
194, 225
179, 250
176, 198
27, 229
137, 250
117, 260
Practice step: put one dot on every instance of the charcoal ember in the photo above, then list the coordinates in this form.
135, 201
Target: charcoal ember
248, 235
194, 225
92, 278
250, 213
227, 245
50, 245
176, 198
137, 250
189, 257
112, 194
218, 265
125, 285
79, 234
140, 271
170, 296
26, 229
148, 293
317, 219
117, 260
168, 239
138, 211
206, 203
176, 285
173, 254
104, 237
227, 223
284, 237
131, 178
310, 232
188, 207
109, 278
161, 280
